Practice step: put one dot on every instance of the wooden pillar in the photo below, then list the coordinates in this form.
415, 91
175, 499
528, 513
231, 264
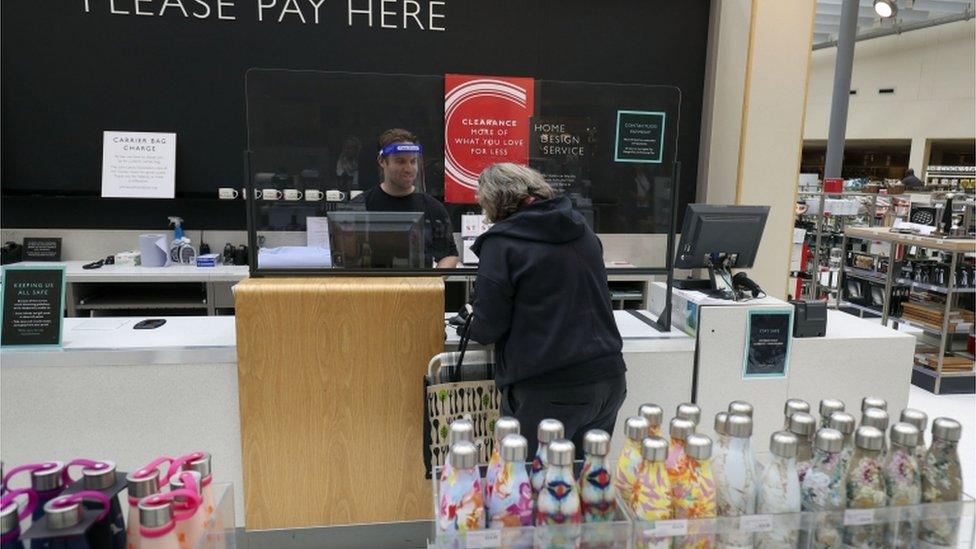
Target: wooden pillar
331, 394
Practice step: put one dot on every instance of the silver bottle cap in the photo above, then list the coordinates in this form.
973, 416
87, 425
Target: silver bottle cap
874, 402
795, 405
945, 428
843, 422
145, 486
461, 429
60, 517
636, 428
155, 514
653, 413
561, 452
514, 448
201, 465
915, 417
689, 410
803, 425
654, 449
505, 426
875, 417
904, 434
783, 444
550, 430
596, 442
721, 419
698, 446
681, 428
464, 455
9, 520
740, 407
175, 482
100, 477
829, 440
48, 479
739, 426
830, 405
869, 438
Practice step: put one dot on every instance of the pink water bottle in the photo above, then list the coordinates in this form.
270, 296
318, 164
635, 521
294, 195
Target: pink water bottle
159, 516
45, 479
199, 462
65, 512
143, 483
190, 530
101, 476
11, 515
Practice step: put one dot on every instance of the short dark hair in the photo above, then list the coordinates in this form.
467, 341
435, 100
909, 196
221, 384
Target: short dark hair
396, 135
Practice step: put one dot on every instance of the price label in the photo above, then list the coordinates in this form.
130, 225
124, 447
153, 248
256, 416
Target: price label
756, 523
480, 539
667, 528
858, 517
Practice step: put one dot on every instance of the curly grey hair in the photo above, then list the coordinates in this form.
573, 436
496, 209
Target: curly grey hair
503, 187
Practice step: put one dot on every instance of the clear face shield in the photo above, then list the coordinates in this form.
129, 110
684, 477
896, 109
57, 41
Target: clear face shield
402, 165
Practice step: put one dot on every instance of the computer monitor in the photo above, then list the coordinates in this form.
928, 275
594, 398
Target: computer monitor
377, 240
719, 238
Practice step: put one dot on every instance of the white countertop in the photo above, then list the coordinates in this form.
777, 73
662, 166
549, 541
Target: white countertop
841, 325
173, 273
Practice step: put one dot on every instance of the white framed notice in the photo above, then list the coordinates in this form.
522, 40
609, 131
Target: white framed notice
138, 164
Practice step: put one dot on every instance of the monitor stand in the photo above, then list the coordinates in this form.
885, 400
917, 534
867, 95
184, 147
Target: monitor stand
721, 283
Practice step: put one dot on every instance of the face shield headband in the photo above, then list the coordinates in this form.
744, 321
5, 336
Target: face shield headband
401, 148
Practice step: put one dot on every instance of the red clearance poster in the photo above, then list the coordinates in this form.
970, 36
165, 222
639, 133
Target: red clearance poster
486, 120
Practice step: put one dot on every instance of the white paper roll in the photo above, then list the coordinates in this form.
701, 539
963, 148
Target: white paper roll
153, 250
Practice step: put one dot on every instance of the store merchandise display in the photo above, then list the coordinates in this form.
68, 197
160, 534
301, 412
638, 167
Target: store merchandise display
549, 430
461, 492
680, 483
504, 426
86, 512
509, 501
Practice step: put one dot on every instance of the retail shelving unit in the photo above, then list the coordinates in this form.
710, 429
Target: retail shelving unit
957, 178
950, 369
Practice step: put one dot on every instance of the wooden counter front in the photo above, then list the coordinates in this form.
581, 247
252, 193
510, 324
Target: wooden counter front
330, 372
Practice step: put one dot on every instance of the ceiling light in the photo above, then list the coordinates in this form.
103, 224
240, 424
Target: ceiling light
885, 8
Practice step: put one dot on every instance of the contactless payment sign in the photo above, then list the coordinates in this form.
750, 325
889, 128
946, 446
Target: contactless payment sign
486, 120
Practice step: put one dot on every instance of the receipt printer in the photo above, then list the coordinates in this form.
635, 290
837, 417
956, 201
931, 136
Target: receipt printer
809, 318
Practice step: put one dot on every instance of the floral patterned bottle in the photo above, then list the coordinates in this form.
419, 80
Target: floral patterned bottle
873, 402
549, 430
791, 407
697, 486
718, 458
460, 429
689, 411
779, 489
654, 415
597, 496
635, 429
827, 407
652, 497
462, 504
903, 483
866, 486
559, 500
920, 421
844, 422
677, 462
740, 482
824, 488
942, 480
803, 425
877, 418
504, 426
509, 502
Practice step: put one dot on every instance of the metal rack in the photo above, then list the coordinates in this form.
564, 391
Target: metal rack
939, 381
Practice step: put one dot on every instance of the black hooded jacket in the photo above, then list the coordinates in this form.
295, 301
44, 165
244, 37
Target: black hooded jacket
541, 297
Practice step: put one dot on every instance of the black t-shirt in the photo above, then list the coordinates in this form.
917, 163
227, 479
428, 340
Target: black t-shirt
438, 234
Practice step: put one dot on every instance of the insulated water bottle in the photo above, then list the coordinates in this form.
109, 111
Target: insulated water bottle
45, 479
549, 430
11, 515
652, 495
866, 486
559, 500
635, 429
829, 406
942, 481
509, 502
142, 483
791, 407
877, 418
718, 458
779, 489
740, 407
738, 478
697, 486
159, 516
201, 462
64, 512
101, 476
677, 462
803, 425
191, 529
844, 422
654, 415
903, 483
504, 426
919, 420
462, 504
873, 402
460, 429
823, 488
597, 496
689, 411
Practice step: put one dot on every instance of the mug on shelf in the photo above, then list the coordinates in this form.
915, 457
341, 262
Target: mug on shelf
293, 194
354, 194
335, 196
314, 195
267, 194
227, 193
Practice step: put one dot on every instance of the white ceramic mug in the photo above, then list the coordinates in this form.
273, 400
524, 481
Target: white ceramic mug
314, 195
227, 193
293, 194
335, 196
354, 194
271, 194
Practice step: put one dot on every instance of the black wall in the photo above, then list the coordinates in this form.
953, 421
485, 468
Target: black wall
68, 75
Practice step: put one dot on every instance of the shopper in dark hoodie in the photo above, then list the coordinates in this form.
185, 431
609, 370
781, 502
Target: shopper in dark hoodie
541, 297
